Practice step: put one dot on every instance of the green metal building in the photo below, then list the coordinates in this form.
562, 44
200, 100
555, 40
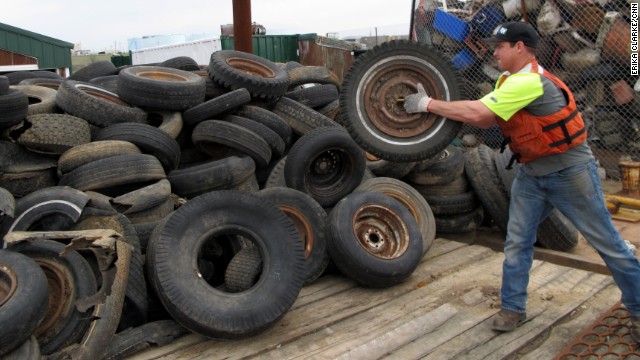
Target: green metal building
25, 50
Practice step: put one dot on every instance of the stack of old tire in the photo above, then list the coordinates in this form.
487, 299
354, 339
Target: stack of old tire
233, 184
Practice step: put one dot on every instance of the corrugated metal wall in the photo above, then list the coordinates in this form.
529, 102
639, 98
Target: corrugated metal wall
51, 53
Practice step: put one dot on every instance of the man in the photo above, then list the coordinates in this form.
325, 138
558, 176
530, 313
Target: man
538, 117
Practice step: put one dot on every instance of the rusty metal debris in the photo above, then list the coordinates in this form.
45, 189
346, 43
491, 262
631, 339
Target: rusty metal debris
607, 338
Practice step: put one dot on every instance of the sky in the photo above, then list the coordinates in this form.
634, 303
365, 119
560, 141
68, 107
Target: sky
103, 25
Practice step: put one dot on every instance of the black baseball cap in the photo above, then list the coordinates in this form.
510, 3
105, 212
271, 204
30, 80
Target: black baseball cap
514, 32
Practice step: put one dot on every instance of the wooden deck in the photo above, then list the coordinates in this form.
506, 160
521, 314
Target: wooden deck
442, 311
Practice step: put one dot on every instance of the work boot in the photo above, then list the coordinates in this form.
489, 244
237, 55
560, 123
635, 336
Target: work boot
507, 320
635, 329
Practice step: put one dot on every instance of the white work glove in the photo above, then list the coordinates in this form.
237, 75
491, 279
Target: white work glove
417, 102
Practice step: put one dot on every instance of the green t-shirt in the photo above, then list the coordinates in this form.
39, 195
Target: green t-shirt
517, 91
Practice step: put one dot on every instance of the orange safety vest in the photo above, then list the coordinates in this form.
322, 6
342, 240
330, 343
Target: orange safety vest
531, 137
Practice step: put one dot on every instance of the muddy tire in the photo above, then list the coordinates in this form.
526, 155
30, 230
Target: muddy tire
53, 133
244, 270
150, 335
326, 164
223, 174
97, 105
374, 115
182, 242
149, 139
70, 278
23, 300
310, 220
42, 100
235, 70
374, 239
161, 87
484, 180
95, 150
14, 106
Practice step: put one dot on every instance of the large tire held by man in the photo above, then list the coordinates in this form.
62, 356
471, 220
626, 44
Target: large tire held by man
203, 227
23, 299
371, 101
374, 239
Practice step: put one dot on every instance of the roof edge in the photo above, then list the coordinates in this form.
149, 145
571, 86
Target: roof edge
44, 38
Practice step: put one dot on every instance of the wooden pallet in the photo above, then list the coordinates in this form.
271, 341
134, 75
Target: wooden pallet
443, 311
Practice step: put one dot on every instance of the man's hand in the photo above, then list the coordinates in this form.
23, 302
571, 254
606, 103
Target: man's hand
417, 102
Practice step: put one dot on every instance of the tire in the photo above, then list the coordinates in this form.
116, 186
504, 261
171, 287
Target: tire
98, 106
16, 159
206, 221
150, 335
108, 175
53, 134
155, 213
276, 175
219, 105
459, 185
326, 164
310, 220
268, 118
223, 174
302, 119
302, 75
70, 278
161, 87
411, 199
143, 198
109, 82
14, 106
244, 270
24, 303
441, 169
170, 122
44, 82
261, 77
185, 63
374, 239
315, 96
460, 223
274, 140
379, 124
7, 204
386, 168
94, 70
41, 99
29, 350
135, 306
149, 139
452, 204
17, 76
484, 180
96, 150
218, 132
4, 85
22, 183
59, 201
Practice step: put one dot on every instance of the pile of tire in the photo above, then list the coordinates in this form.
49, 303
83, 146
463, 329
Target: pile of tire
236, 183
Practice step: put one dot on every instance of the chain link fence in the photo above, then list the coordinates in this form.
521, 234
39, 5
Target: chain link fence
585, 43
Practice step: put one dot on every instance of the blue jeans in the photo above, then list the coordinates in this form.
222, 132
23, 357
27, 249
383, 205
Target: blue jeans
575, 191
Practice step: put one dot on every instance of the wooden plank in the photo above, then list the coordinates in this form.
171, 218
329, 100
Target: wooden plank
319, 314
396, 322
569, 328
458, 337
563, 302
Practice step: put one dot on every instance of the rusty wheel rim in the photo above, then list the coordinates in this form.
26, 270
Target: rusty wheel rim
8, 284
380, 231
61, 294
380, 101
251, 67
303, 227
161, 76
101, 94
